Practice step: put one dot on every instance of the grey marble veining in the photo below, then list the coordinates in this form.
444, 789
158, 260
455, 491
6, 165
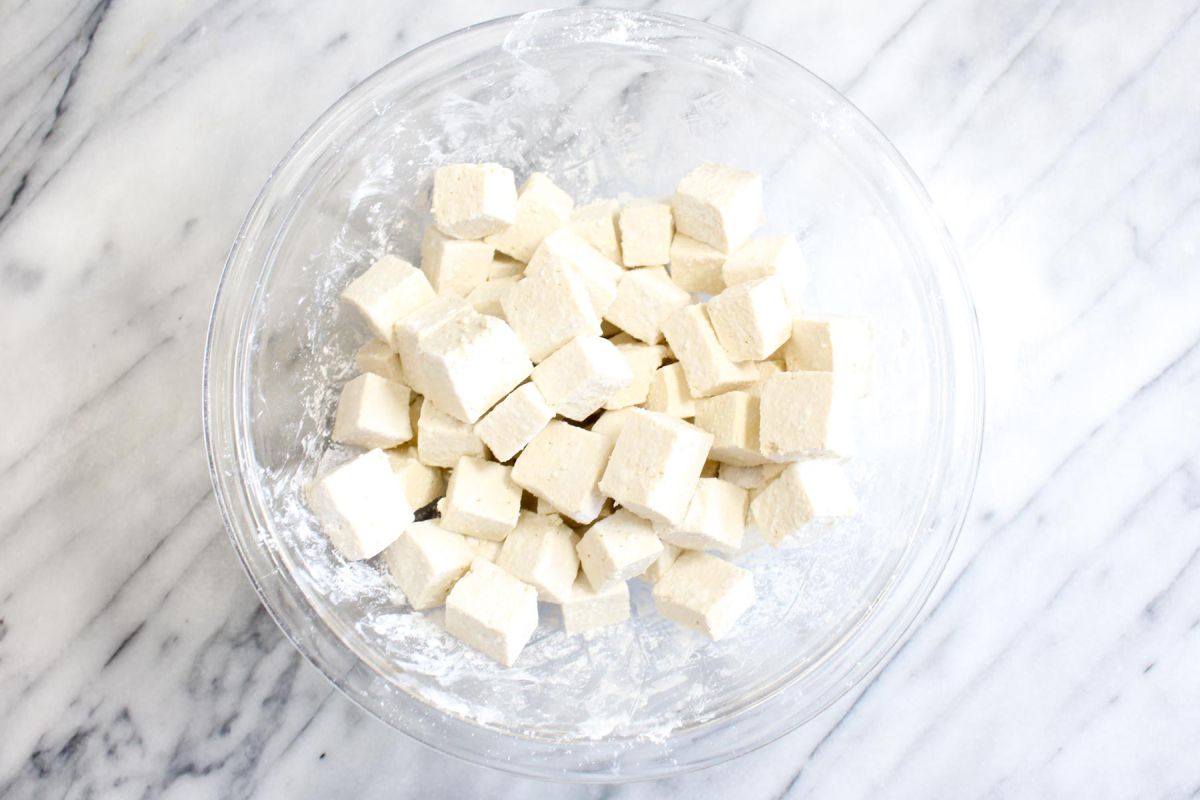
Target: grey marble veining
1058, 656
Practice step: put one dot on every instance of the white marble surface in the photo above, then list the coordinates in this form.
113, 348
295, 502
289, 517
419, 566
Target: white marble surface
1060, 655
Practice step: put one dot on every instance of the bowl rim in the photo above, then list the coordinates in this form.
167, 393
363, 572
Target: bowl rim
909, 612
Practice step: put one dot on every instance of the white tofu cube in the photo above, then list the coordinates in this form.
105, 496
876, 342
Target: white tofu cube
549, 309
515, 420
750, 478
481, 499
765, 370
426, 561
695, 266
471, 363
376, 357
389, 290
842, 345
412, 329
807, 491
771, 255
442, 440
542, 208
503, 266
485, 298
581, 376
454, 266
718, 205
596, 223
666, 558
587, 609
484, 548
471, 201
372, 412
493, 612
655, 465
361, 506
704, 593
566, 249
805, 415
609, 424
646, 231
751, 319
669, 392
541, 551
422, 483
707, 367
642, 360
645, 299
563, 465
715, 518
733, 420
617, 548
618, 336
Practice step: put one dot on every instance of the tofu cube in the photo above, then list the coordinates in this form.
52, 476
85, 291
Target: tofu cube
422, 483
807, 491
617, 548
426, 561
372, 412
563, 465
485, 298
581, 376
485, 549
515, 420
646, 231
609, 424
765, 370
706, 365
541, 551
542, 208
587, 609
695, 266
750, 478
376, 357
704, 593
442, 440
491, 611
481, 499
715, 518
361, 506
842, 345
471, 363
411, 330
771, 255
454, 266
503, 266
805, 415
655, 465
659, 567
471, 201
642, 360
718, 205
645, 299
669, 392
389, 290
566, 249
596, 224
549, 309
733, 420
751, 319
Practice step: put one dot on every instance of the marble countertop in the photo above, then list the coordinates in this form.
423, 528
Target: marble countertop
1060, 654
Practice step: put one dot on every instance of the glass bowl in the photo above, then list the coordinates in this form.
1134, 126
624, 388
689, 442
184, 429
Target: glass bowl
606, 102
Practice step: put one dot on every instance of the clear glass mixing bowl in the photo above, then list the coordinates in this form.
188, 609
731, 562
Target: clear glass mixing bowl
606, 102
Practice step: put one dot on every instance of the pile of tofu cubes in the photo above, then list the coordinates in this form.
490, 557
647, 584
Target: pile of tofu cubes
589, 395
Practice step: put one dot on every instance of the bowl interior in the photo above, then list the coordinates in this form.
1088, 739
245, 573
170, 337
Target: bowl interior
609, 105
